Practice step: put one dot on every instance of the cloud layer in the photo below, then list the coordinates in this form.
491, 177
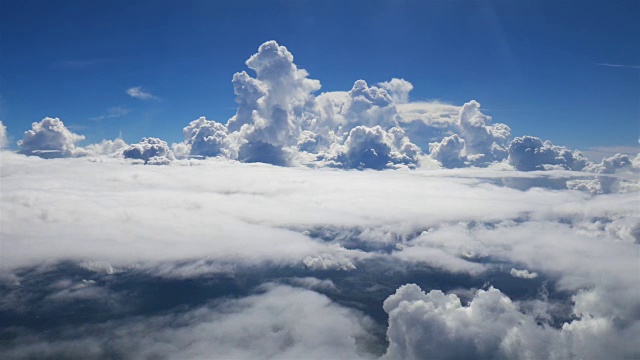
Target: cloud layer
474, 245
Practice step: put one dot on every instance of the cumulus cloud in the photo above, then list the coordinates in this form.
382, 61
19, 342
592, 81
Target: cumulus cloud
523, 274
529, 153
49, 138
449, 152
484, 142
138, 92
328, 262
399, 89
109, 148
152, 151
619, 164
224, 232
435, 325
207, 138
375, 148
270, 105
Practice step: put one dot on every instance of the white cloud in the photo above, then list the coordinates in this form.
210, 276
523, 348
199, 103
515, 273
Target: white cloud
49, 138
328, 262
529, 153
329, 230
109, 148
449, 152
269, 106
523, 274
493, 326
152, 151
185, 221
138, 92
208, 138
484, 143
399, 89
375, 148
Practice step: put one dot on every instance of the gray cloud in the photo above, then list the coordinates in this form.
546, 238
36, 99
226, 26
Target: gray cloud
529, 153
152, 151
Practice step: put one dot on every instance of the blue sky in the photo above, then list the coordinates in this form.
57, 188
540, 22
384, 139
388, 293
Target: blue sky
531, 64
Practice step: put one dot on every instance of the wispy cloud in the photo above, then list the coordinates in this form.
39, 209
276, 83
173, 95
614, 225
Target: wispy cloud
112, 113
81, 63
139, 93
619, 65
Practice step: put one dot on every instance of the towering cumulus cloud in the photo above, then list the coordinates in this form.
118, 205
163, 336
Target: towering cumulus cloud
484, 142
49, 138
270, 105
477, 141
279, 117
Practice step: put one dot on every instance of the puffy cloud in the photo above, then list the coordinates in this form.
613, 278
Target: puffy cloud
375, 148
529, 153
152, 151
279, 118
449, 152
110, 148
3, 135
138, 92
207, 138
618, 163
523, 274
435, 325
399, 89
328, 262
270, 106
611, 164
49, 138
369, 106
484, 143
